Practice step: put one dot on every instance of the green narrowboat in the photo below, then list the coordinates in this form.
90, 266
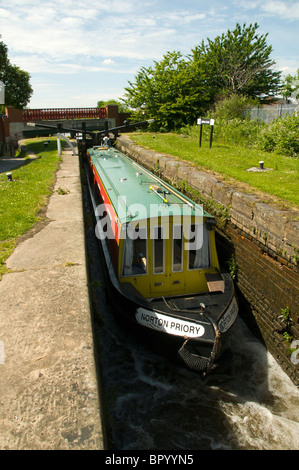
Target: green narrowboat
164, 279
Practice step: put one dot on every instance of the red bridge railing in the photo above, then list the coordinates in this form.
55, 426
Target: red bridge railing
64, 113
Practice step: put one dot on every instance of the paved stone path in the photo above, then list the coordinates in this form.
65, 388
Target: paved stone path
48, 385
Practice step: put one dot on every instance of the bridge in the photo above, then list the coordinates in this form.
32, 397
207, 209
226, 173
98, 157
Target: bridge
14, 123
34, 115
94, 119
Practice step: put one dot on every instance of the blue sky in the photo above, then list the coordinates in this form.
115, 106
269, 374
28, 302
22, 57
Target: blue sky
81, 51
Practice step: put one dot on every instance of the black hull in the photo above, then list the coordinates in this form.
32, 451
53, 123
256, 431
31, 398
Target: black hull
199, 355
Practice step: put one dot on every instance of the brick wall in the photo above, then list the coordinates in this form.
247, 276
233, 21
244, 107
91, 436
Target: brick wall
2, 130
6, 147
14, 115
4, 127
258, 241
264, 286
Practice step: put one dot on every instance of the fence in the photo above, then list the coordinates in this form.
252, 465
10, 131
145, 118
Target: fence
64, 113
268, 113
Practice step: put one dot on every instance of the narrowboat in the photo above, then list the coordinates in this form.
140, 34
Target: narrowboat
164, 278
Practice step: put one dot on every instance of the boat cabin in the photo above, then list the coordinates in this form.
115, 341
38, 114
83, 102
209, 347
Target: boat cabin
161, 243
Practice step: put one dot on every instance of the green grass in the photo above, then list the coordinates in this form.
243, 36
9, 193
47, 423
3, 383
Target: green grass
232, 161
22, 200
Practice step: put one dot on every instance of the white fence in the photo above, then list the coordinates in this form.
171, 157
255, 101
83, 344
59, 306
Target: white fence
267, 113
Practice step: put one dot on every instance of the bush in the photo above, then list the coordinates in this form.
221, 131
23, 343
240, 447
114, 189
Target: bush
233, 107
281, 135
238, 132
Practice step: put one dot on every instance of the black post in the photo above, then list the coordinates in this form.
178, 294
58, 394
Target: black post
200, 135
84, 132
211, 136
97, 138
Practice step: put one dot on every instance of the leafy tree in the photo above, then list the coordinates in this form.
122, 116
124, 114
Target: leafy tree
171, 91
238, 62
121, 107
177, 90
18, 90
290, 86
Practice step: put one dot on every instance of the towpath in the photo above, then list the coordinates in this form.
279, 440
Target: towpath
49, 398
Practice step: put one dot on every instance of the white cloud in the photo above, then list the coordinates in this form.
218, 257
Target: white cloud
5, 14
288, 66
108, 62
182, 17
66, 40
37, 64
286, 10
96, 29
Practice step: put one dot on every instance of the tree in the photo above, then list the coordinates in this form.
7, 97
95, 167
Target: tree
121, 107
170, 91
18, 90
290, 86
238, 62
177, 90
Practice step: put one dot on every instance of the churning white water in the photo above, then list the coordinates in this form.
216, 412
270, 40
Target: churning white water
154, 404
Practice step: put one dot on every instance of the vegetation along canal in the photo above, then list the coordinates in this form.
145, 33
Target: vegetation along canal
154, 404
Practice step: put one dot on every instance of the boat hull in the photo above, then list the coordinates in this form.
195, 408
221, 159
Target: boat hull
199, 353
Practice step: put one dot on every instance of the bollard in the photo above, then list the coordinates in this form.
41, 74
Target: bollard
9, 176
261, 165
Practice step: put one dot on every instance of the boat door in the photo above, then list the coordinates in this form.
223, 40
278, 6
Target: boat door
167, 260
179, 267
176, 282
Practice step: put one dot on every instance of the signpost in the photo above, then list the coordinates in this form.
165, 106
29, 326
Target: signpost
209, 122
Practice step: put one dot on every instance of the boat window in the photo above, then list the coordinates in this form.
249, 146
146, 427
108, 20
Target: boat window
135, 254
158, 246
199, 252
177, 247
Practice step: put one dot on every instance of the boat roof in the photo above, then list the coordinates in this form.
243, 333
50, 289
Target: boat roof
134, 192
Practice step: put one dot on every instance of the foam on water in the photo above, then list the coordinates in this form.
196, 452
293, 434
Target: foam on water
159, 405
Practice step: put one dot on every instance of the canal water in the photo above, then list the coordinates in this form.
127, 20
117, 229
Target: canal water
153, 404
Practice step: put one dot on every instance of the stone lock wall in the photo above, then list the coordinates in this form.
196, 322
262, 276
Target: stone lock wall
258, 242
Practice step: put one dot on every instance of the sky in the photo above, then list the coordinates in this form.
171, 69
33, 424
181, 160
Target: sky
78, 52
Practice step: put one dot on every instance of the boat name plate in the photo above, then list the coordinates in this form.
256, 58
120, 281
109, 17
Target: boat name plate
167, 324
229, 316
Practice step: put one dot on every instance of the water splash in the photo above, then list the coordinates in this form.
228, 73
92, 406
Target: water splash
159, 405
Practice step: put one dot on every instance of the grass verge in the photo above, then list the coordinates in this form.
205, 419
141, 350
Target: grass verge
232, 161
22, 200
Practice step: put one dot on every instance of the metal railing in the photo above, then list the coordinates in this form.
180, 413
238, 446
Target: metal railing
268, 113
64, 113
